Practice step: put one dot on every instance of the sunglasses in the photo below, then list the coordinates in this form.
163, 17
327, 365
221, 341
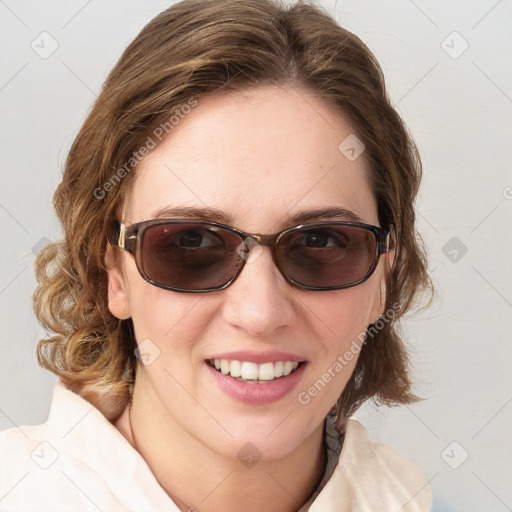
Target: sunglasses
201, 256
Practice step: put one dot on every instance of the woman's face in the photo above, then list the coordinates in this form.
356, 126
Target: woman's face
260, 159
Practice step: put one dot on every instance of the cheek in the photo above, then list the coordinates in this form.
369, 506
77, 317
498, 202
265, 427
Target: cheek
344, 313
341, 319
168, 319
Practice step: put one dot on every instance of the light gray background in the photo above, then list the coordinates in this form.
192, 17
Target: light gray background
458, 106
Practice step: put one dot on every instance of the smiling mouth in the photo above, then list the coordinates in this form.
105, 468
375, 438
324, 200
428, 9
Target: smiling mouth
253, 373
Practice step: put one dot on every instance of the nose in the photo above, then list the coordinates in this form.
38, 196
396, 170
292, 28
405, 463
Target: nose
259, 301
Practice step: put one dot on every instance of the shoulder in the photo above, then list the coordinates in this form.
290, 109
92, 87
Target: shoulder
39, 469
76, 460
374, 476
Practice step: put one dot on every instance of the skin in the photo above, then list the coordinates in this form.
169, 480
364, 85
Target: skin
260, 157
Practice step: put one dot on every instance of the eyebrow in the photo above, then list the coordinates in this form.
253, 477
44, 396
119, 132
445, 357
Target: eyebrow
216, 215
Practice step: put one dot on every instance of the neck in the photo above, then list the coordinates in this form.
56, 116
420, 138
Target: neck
195, 477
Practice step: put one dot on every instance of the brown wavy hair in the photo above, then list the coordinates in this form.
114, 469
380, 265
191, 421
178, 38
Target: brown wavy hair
191, 50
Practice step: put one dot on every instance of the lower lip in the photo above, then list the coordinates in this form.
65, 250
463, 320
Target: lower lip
264, 393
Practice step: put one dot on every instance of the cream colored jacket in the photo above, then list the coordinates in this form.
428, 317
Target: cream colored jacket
79, 462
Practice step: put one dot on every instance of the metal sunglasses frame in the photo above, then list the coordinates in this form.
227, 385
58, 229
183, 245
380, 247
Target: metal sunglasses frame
130, 238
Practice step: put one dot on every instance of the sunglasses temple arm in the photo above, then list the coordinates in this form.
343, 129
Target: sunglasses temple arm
117, 235
386, 242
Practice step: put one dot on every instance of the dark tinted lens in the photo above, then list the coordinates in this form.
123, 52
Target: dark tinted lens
327, 256
189, 256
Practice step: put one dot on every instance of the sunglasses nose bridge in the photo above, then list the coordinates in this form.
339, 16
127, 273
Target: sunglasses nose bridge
270, 241
251, 241
266, 240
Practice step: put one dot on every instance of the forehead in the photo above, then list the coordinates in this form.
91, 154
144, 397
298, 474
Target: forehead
259, 156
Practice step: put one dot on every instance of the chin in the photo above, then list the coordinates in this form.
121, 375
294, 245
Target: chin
269, 440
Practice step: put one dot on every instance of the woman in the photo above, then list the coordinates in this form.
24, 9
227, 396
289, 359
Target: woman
239, 246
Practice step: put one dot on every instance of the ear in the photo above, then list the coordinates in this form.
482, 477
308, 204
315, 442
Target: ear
379, 304
118, 302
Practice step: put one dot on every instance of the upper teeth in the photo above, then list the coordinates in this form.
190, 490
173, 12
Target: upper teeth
253, 371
